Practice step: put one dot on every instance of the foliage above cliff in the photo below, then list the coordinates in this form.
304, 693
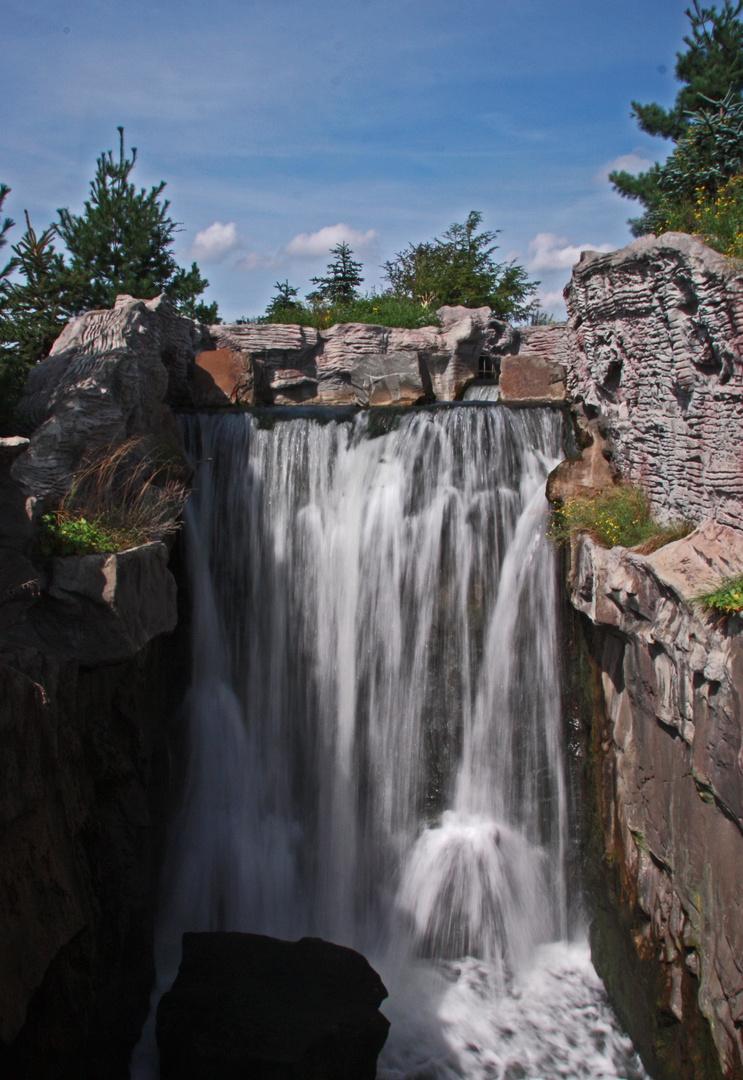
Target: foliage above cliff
712, 72
378, 309
701, 184
456, 269
122, 242
459, 269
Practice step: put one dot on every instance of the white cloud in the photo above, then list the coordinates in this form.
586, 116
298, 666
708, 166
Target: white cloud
547, 251
631, 163
552, 301
256, 260
215, 242
310, 245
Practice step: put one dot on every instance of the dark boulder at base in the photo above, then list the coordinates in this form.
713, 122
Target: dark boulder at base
248, 1007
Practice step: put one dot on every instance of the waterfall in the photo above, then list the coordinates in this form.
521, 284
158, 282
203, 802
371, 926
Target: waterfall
374, 725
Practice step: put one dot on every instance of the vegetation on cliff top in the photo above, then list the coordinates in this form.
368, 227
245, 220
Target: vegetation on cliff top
121, 243
618, 516
711, 70
457, 269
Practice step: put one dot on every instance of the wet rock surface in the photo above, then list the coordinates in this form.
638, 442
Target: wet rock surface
248, 1006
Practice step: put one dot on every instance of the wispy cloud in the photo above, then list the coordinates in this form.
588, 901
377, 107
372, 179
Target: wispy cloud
631, 163
552, 301
216, 242
256, 260
310, 245
547, 251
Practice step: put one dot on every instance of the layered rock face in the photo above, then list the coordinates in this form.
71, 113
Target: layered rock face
654, 344
348, 364
671, 796
654, 362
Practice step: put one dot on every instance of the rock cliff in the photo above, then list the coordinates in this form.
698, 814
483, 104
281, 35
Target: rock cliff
655, 370
654, 350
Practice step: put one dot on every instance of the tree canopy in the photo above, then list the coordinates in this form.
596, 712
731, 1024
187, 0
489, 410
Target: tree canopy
122, 242
459, 269
711, 70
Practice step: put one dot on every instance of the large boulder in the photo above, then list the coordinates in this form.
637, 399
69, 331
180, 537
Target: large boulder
248, 1007
109, 376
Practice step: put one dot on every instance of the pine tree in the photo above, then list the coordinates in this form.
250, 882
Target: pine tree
8, 223
122, 242
283, 304
343, 278
711, 68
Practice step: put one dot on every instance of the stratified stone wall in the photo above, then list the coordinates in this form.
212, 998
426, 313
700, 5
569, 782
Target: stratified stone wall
654, 350
668, 933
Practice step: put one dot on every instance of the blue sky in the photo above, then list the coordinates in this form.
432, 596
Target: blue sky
283, 126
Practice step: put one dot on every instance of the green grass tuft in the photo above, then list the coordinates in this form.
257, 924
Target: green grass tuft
119, 498
727, 598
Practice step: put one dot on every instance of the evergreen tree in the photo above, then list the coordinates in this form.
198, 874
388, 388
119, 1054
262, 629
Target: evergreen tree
343, 278
459, 269
711, 68
34, 311
122, 243
8, 224
284, 304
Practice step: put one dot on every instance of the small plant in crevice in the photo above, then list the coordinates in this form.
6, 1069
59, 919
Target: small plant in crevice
617, 516
118, 498
727, 598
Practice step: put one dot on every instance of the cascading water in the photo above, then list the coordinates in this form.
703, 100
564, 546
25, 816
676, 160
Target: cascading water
375, 751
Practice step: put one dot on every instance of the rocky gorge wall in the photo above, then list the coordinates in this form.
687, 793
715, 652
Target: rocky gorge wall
655, 372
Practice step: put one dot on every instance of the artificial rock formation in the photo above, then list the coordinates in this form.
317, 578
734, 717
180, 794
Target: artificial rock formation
654, 343
655, 369
82, 754
106, 379
348, 364
245, 1005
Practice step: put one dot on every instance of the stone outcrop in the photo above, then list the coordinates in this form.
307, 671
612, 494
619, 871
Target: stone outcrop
527, 377
655, 370
668, 763
247, 1005
654, 341
109, 377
